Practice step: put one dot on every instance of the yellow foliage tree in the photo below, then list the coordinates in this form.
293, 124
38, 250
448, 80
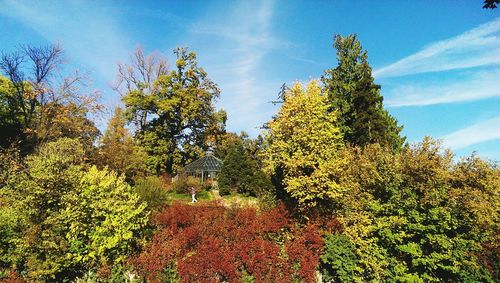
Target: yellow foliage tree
304, 144
118, 150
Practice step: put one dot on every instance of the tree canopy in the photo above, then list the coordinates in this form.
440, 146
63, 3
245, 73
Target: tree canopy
352, 92
304, 144
183, 117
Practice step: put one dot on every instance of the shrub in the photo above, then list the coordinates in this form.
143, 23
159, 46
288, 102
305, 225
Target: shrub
71, 220
211, 243
151, 191
105, 218
418, 216
12, 225
184, 184
338, 261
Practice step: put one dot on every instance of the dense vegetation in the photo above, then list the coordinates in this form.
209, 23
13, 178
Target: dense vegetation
339, 194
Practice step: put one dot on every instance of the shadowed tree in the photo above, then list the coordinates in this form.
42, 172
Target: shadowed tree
43, 105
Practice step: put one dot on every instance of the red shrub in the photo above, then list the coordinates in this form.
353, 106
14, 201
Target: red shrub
304, 251
211, 243
13, 277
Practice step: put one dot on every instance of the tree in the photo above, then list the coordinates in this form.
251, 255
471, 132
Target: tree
73, 220
352, 92
37, 192
32, 90
491, 4
241, 174
11, 121
415, 216
183, 116
136, 83
68, 120
39, 107
304, 143
339, 261
118, 151
227, 141
104, 219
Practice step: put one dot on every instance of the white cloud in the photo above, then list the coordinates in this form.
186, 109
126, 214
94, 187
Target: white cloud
478, 86
89, 33
242, 39
477, 47
481, 132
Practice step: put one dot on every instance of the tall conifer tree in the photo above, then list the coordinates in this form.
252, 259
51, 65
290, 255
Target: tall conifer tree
353, 93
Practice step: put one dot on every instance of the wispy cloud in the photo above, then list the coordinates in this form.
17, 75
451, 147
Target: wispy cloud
481, 132
478, 86
90, 34
477, 47
244, 38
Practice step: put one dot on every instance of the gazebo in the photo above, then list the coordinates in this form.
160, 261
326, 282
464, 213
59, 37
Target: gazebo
205, 168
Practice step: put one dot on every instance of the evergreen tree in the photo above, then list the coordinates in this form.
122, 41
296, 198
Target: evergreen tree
353, 93
241, 174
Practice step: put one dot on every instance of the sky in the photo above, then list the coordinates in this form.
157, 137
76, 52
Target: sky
438, 62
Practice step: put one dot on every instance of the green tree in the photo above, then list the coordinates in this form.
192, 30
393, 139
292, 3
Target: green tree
417, 217
227, 141
183, 116
37, 191
241, 174
11, 121
103, 217
353, 93
303, 145
339, 262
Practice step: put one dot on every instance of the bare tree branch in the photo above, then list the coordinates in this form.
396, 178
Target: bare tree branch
140, 75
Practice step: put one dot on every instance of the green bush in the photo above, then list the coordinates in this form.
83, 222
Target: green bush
71, 220
105, 219
240, 174
151, 191
12, 225
338, 261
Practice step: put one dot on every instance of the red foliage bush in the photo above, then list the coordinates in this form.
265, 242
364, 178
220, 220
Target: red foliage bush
13, 277
212, 243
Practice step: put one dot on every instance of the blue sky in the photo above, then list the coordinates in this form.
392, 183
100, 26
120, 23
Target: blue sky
438, 61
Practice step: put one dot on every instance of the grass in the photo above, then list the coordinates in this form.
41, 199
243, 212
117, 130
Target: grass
227, 200
184, 197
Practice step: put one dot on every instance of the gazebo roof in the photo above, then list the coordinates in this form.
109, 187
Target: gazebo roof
207, 163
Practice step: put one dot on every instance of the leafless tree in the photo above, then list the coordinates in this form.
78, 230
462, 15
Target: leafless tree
31, 89
139, 76
39, 87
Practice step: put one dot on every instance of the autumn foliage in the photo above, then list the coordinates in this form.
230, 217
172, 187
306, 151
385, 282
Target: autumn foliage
212, 243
